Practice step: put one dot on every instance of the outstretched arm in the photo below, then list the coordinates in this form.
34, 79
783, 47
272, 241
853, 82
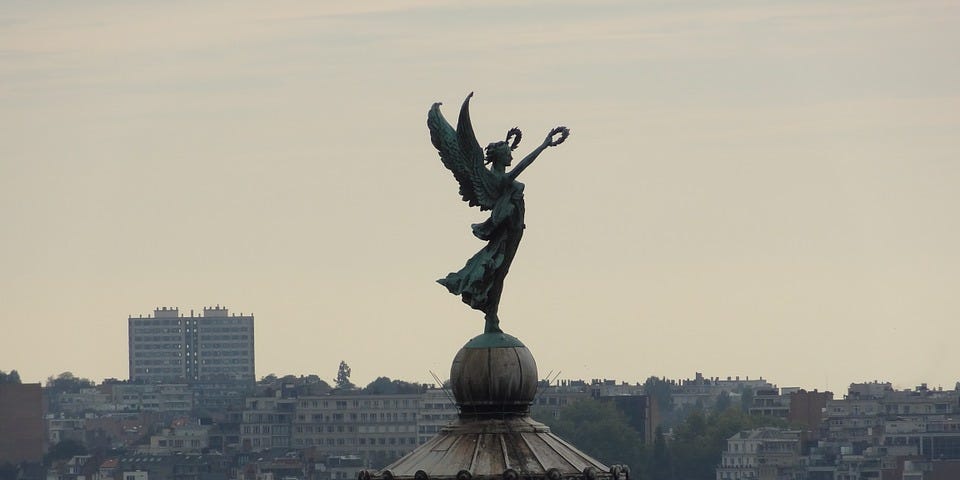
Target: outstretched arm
564, 132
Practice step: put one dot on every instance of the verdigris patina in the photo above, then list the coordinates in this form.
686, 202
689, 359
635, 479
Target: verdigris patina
480, 281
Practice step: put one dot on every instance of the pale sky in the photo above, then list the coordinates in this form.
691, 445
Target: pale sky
750, 188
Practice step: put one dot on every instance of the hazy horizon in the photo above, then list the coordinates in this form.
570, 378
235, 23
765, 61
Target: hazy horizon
748, 189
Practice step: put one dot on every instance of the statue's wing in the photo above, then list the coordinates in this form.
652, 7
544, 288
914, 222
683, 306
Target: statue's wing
462, 155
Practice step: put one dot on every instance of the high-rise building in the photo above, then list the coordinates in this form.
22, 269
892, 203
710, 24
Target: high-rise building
22, 432
169, 347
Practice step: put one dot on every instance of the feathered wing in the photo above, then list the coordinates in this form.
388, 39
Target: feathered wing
462, 155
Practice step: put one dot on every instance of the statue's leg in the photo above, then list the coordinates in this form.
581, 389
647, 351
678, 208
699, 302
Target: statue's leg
493, 304
492, 324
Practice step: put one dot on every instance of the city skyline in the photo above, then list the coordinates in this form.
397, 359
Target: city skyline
759, 189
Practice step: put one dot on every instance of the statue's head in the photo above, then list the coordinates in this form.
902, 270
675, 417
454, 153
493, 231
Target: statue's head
498, 153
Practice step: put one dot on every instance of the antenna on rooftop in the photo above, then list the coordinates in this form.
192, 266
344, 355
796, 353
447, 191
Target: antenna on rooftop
549, 381
444, 389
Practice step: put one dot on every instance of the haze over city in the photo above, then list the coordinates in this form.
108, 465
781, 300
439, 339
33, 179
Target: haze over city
749, 189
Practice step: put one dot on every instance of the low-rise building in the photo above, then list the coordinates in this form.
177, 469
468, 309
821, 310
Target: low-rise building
876, 432
165, 397
342, 467
762, 454
855, 421
808, 409
267, 423
86, 400
437, 409
60, 428
178, 467
78, 467
770, 402
378, 428
703, 391
188, 438
375, 428
550, 399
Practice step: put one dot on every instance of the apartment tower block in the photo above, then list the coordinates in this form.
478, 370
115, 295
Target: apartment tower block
169, 347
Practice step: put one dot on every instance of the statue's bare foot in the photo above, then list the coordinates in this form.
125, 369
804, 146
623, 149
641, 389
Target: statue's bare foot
492, 324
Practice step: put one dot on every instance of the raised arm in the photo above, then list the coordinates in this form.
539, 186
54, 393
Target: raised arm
564, 132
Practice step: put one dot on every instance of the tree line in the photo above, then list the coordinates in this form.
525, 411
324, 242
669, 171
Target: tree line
314, 385
687, 446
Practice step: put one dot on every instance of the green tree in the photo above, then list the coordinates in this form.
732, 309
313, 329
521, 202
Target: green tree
385, 386
380, 386
64, 450
746, 399
692, 448
723, 401
67, 382
660, 464
343, 377
314, 389
599, 429
312, 385
661, 391
309, 385
12, 377
699, 440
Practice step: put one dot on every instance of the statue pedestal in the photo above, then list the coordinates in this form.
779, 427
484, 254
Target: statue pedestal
494, 382
492, 375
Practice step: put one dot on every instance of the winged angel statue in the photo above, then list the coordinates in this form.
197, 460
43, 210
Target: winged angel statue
480, 281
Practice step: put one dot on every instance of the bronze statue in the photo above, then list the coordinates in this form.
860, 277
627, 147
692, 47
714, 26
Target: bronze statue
480, 281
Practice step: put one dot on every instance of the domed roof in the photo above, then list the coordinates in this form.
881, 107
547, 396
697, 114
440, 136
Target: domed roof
494, 381
493, 374
519, 447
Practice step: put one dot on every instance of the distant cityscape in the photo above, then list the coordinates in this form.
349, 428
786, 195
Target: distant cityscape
193, 409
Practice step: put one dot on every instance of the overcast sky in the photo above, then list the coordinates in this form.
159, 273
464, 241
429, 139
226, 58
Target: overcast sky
750, 188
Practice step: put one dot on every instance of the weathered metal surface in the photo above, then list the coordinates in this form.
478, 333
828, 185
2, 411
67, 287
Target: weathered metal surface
492, 340
494, 437
487, 448
494, 380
